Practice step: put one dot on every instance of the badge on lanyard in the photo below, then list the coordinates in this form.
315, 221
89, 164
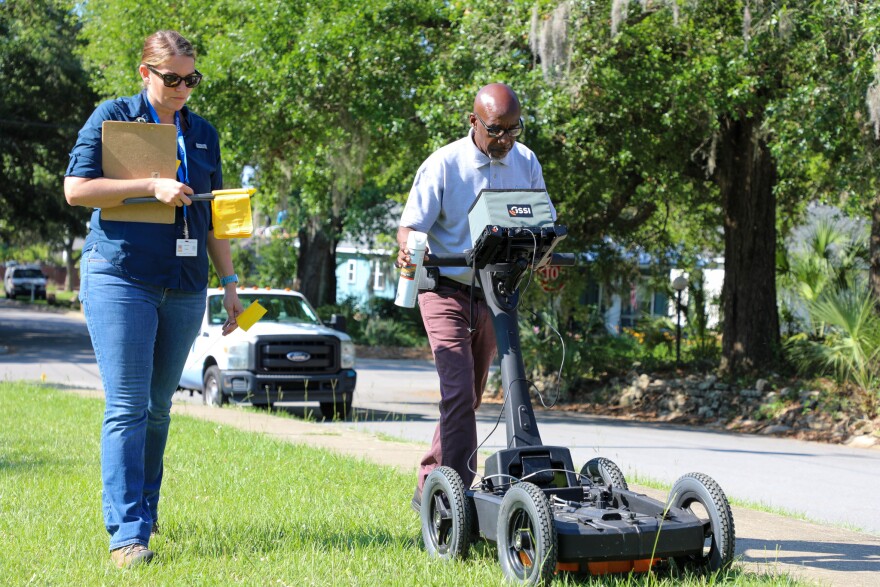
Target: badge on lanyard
186, 246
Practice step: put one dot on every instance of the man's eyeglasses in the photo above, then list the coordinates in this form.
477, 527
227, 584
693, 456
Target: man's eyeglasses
495, 131
172, 80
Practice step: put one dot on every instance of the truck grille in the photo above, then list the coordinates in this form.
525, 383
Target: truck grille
317, 355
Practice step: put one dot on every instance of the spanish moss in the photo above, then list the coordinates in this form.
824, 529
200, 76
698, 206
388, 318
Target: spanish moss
550, 41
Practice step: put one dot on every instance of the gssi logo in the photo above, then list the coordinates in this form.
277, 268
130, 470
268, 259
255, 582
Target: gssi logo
519, 211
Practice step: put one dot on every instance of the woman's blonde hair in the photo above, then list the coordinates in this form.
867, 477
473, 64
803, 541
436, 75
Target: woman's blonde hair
163, 45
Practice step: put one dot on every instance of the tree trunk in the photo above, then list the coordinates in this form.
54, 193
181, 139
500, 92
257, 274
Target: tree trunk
316, 269
746, 176
70, 258
875, 251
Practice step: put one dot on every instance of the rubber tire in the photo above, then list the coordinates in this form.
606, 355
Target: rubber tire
211, 394
525, 508
719, 528
338, 410
447, 518
602, 471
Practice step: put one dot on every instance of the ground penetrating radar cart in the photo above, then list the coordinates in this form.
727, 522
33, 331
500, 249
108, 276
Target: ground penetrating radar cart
543, 514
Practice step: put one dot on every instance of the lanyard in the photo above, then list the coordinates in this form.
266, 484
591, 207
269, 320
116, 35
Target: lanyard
182, 168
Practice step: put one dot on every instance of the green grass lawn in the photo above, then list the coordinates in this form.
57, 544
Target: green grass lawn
237, 508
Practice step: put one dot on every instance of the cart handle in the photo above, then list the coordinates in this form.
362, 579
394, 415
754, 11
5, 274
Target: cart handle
460, 260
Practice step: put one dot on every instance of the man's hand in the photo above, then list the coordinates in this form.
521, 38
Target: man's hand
403, 255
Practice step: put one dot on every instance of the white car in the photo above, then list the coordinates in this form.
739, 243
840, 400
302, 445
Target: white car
25, 280
288, 355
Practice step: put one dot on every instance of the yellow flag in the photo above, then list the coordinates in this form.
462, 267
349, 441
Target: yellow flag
231, 211
250, 316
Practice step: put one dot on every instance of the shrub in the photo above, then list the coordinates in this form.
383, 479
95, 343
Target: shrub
847, 347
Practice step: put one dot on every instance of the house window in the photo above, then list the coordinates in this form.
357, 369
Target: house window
351, 271
378, 277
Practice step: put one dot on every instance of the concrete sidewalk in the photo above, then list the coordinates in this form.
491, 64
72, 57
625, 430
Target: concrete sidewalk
764, 542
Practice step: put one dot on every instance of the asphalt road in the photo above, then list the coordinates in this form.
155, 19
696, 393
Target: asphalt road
37, 343
826, 483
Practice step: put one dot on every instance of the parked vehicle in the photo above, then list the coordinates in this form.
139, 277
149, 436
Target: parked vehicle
288, 355
25, 280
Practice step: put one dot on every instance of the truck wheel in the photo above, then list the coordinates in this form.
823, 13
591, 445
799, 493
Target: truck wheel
211, 394
337, 410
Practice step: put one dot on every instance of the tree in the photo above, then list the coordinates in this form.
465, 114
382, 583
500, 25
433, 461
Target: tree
45, 100
671, 124
346, 122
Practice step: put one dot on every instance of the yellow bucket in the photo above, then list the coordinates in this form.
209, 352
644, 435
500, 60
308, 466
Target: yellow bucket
231, 211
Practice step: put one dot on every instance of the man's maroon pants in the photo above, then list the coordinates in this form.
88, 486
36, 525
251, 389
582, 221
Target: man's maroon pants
463, 359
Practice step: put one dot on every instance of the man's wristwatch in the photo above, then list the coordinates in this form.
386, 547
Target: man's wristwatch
224, 281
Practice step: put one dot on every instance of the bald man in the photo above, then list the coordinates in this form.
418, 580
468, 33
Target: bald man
445, 186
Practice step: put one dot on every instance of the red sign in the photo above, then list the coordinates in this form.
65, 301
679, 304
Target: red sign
548, 277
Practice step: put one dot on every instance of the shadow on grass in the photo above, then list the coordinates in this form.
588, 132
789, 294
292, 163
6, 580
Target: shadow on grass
835, 556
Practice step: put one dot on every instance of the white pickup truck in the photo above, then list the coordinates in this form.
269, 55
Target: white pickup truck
288, 355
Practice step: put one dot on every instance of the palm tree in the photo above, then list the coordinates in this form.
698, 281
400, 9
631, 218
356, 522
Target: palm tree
828, 252
828, 277
851, 348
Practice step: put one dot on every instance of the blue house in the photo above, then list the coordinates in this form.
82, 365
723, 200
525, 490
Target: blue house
364, 273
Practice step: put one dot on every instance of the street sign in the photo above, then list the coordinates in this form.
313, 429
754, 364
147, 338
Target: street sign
548, 278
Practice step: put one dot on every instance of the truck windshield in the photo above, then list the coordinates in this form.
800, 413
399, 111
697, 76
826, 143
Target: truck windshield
31, 273
284, 309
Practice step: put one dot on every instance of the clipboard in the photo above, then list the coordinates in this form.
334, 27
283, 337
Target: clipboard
135, 150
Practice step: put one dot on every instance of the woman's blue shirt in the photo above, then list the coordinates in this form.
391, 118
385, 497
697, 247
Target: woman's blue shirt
145, 251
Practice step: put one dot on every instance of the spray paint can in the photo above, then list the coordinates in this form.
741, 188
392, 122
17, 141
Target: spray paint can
408, 284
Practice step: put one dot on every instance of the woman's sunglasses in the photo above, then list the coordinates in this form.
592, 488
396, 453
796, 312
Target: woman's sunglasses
172, 80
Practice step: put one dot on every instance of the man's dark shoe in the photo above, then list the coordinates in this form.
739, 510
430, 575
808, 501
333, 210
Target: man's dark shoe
131, 555
417, 500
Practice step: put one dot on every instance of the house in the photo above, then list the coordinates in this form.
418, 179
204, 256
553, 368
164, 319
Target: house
363, 273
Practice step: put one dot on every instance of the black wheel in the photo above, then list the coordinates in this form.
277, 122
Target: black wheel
527, 542
703, 497
337, 410
604, 472
211, 394
447, 518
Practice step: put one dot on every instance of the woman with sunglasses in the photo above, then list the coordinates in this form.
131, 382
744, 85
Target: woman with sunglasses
143, 285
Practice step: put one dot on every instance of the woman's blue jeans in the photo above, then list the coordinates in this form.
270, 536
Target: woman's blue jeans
141, 335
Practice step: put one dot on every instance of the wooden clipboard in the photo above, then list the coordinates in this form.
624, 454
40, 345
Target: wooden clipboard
135, 150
